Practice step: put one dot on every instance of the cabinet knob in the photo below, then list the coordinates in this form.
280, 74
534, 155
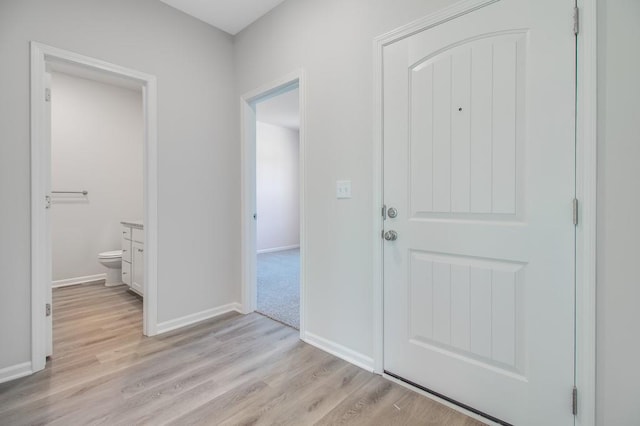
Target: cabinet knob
140, 250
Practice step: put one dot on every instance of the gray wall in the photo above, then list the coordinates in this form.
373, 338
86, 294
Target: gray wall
198, 139
618, 280
333, 41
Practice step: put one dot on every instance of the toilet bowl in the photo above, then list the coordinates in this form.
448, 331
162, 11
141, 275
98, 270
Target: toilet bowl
112, 260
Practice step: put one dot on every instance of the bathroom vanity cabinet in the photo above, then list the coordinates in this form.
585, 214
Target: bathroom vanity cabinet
133, 255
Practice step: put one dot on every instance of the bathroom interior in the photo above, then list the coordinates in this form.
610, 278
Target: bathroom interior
97, 232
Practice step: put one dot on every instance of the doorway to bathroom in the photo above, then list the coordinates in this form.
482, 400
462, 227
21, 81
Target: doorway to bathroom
97, 135
273, 251
94, 203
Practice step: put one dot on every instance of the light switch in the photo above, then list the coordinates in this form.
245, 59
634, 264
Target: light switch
343, 189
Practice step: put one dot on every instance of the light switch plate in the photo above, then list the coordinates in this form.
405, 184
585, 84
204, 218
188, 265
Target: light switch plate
343, 189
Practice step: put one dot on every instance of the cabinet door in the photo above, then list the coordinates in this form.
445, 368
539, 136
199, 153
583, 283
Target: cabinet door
137, 266
126, 249
126, 272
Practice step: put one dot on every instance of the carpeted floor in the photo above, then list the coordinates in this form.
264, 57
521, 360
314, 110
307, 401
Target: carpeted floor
279, 286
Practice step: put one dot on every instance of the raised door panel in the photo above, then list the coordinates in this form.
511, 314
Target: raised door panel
466, 131
470, 307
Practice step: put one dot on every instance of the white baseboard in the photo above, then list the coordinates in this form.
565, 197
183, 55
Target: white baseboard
79, 280
165, 326
15, 372
349, 355
274, 249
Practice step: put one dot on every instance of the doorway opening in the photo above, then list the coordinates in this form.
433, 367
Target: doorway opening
278, 207
273, 252
74, 167
96, 137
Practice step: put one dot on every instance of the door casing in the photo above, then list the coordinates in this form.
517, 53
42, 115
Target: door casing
586, 154
41, 55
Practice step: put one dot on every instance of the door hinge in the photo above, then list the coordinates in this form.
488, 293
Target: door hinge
47, 95
574, 401
575, 211
47, 309
384, 212
576, 20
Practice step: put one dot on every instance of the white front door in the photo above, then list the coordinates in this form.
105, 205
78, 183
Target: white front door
479, 166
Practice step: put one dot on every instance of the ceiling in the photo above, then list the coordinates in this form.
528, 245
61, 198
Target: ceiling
282, 110
231, 16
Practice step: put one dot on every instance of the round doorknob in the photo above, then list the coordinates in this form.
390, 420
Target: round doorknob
391, 235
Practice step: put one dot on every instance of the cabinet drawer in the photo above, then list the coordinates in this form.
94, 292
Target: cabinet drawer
126, 272
138, 235
126, 250
126, 232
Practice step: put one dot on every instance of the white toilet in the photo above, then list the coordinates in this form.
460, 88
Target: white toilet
112, 260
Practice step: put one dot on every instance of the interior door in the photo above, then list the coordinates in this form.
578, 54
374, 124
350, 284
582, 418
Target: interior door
479, 153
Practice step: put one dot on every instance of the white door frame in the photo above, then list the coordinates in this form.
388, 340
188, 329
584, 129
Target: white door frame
586, 150
248, 207
42, 54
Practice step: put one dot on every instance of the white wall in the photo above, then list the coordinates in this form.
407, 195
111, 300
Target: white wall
197, 147
277, 186
618, 280
97, 133
332, 40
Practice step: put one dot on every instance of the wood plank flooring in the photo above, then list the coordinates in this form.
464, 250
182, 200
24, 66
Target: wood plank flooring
233, 370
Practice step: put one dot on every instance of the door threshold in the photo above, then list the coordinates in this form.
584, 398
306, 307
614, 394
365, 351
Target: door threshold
482, 414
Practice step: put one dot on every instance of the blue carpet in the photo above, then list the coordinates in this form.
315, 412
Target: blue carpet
279, 286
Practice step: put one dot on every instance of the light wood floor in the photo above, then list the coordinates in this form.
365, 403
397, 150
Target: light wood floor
231, 370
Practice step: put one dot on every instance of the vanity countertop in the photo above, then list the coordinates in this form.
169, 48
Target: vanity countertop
133, 223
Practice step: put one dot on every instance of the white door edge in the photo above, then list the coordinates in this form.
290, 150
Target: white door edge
248, 190
586, 191
41, 54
